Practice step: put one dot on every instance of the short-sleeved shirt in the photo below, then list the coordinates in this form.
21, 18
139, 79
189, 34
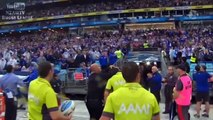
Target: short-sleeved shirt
171, 79
9, 82
119, 54
41, 100
179, 84
115, 82
202, 84
131, 102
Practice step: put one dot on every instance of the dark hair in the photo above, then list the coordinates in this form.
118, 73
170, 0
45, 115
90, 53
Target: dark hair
182, 67
204, 67
184, 59
197, 68
9, 68
130, 71
44, 69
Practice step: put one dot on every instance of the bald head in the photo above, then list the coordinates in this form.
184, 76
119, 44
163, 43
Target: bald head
95, 68
154, 69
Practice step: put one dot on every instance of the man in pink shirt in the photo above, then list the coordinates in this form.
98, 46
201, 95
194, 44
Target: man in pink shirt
183, 93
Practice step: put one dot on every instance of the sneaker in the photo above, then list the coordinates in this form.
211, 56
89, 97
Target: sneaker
196, 116
205, 115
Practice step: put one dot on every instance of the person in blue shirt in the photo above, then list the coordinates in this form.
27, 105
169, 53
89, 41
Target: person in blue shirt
155, 80
103, 61
112, 58
9, 83
201, 77
34, 73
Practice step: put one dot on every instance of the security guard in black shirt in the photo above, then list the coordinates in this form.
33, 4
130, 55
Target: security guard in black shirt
169, 82
96, 86
95, 95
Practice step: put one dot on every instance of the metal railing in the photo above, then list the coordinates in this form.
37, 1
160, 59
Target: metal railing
74, 81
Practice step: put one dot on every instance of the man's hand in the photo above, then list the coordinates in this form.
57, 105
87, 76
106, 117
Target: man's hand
112, 66
56, 115
175, 94
211, 79
106, 94
70, 117
149, 75
164, 81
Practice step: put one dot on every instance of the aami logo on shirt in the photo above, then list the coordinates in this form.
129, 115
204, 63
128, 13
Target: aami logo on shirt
34, 98
136, 109
119, 83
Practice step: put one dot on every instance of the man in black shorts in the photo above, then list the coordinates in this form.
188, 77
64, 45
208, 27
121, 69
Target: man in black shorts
201, 77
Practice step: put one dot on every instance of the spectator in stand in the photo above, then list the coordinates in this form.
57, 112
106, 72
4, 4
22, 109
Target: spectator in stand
34, 73
32, 44
112, 58
119, 53
103, 61
207, 55
69, 7
2, 63
12, 61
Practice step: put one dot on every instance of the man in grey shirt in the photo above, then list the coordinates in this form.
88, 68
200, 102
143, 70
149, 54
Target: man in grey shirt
9, 83
169, 82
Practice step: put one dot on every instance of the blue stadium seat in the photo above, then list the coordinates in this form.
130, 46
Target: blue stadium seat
209, 65
202, 63
192, 66
211, 73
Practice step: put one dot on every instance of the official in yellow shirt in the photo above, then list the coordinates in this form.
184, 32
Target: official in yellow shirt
42, 100
115, 82
131, 102
119, 53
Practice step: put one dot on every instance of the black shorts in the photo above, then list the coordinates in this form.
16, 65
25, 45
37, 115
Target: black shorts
202, 96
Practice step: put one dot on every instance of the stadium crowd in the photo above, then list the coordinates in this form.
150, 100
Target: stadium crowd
113, 5
85, 7
59, 47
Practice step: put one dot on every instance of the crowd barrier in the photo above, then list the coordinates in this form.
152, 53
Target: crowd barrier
74, 80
